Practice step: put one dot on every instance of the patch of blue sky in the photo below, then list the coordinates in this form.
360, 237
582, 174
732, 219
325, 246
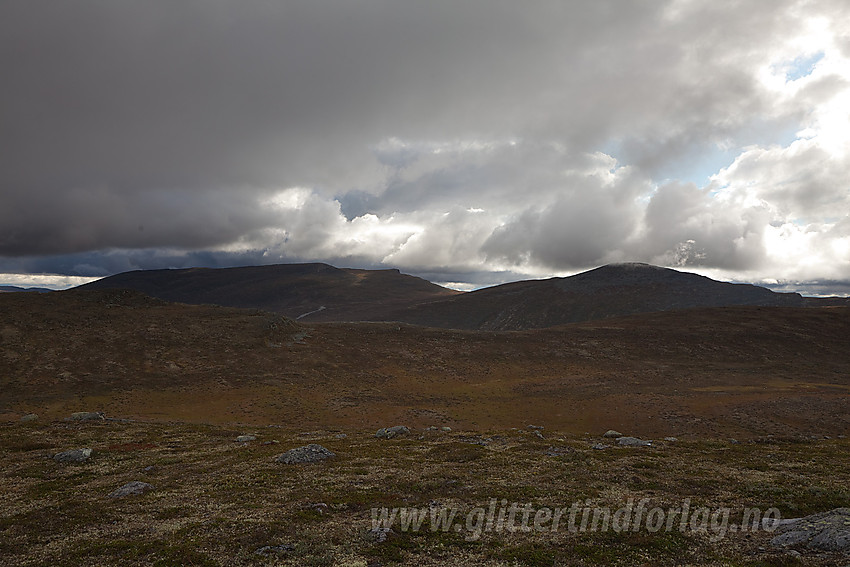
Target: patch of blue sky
799, 67
701, 161
701, 165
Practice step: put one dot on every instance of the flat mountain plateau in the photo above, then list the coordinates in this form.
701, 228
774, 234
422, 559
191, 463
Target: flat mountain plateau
740, 371
746, 407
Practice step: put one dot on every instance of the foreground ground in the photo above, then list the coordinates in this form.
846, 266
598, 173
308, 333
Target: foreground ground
178, 379
219, 502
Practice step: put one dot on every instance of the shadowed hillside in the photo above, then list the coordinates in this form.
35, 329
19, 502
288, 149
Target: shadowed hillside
609, 291
317, 292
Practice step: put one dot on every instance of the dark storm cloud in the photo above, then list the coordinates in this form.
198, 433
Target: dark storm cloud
110, 106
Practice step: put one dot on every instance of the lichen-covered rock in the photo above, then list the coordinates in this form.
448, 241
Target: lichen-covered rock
611, 434
390, 432
30, 417
827, 531
246, 438
73, 456
632, 442
133, 488
311, 453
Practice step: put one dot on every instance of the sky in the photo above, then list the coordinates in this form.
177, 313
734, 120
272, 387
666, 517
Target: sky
470, 142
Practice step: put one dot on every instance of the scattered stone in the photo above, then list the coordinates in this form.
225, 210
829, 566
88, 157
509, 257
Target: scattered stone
390, 432
601, 446
559, 451
88, 416
538, 435
268, 550
271, 442
535, 427
476, 440
734, 441
311, 453
73, 456
246, 438
30, 417
446, 429
311, 433
632, 442
149, 468
340, 436
431, 428
133, 488
611, 434
827, 531
380, 535
670, 439
319, 507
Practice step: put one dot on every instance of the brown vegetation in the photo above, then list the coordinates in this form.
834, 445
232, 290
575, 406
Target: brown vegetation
745, 371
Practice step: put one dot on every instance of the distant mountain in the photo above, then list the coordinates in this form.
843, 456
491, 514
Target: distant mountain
14, 288
609, 291
319, 292
314, 292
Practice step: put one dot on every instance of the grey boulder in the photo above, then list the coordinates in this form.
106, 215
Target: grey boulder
133, 488
632, 442
827, 531
390, 432
311, 453
73, 456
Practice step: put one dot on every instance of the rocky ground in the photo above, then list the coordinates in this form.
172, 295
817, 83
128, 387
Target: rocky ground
191, 494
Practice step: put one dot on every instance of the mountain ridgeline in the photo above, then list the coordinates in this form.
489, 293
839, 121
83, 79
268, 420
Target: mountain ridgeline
315, 292
319, 292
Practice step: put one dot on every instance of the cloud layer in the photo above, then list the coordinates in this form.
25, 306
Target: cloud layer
470, 141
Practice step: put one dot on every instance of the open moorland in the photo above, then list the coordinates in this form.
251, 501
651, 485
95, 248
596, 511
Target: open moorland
740, 371
215, 501
755, 397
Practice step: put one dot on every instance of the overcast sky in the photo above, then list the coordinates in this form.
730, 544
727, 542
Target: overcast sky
471, 142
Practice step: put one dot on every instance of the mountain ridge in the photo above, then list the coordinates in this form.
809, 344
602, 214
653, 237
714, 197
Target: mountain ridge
294, 290
317, 292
